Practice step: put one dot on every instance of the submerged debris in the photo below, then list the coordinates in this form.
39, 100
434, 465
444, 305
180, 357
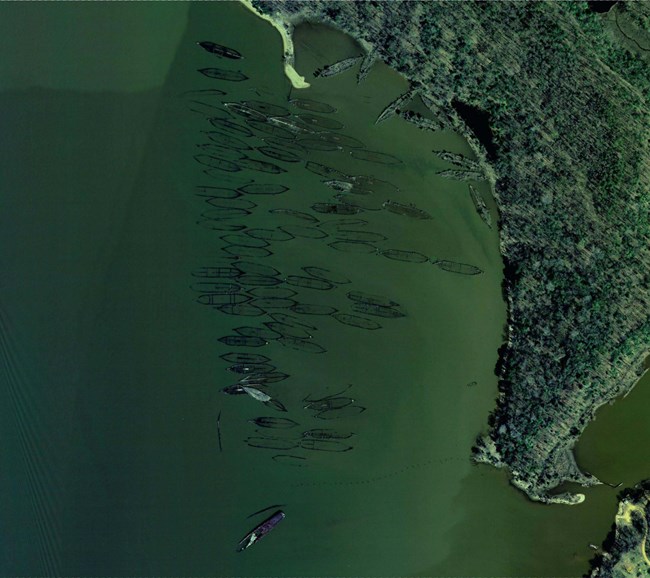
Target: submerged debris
366, 64
480, 206
420, 121
461, 175
375, 157
356, 321
371, 299
458, 159
312, 105
336, 208
242, 341
326, 434
337, 67
290, 460
220, 50
324, 445
395, 106
222, 74
406, 256
274, 422
406, 210
460, 268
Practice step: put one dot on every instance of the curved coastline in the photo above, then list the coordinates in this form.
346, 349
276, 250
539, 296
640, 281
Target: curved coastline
625, 550
552, 378
285, 29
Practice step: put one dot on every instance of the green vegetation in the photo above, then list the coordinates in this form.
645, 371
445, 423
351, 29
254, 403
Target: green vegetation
626, 548
567, 102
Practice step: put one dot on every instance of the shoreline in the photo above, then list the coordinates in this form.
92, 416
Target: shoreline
626, 548
485, 450
285, 29
552, 375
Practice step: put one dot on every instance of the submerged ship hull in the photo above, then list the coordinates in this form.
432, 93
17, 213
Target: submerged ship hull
264, 528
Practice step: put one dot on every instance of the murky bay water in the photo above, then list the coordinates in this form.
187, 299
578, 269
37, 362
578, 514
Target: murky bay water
137, 481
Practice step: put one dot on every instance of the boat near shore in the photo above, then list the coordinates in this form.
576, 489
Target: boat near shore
337, 67
459, 160
462, 175
420, 121
260, 531
480, 206
460, 268
394, 107
366, 64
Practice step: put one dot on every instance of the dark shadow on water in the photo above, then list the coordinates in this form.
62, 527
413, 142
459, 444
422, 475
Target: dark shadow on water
601, 6
479, 122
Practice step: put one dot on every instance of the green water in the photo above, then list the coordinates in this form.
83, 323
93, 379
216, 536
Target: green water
113, 370
615, 447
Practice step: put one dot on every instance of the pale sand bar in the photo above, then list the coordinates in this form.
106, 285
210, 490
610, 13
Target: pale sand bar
284, 29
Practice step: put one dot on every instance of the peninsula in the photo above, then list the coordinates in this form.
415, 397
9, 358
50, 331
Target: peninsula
553, 99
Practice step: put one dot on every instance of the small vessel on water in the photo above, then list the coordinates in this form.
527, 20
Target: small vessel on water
289, 460
378, 310
461, 175
324, 445
336, 208
308, 282
260, 531
366, 64
480, 206
222, 74
344, 412
326, 434
303, 231
353, 247
356, 321
371, 299
279, 154
274, 422
330, 403
325, 171
261, 166
406, 256
242, 341
312, 105
269, 443
263, 189
420, 121
375, 157
301, 344
337, 67
458, 160
340, 186
460, 268
325, 274
395, 106
220, 50
406, 209
256, 393
313, 309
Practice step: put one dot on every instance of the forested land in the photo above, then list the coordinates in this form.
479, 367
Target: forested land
566, 97
626, 548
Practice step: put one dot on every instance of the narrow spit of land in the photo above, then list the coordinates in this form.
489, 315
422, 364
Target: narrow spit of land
567, 152
285, 29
